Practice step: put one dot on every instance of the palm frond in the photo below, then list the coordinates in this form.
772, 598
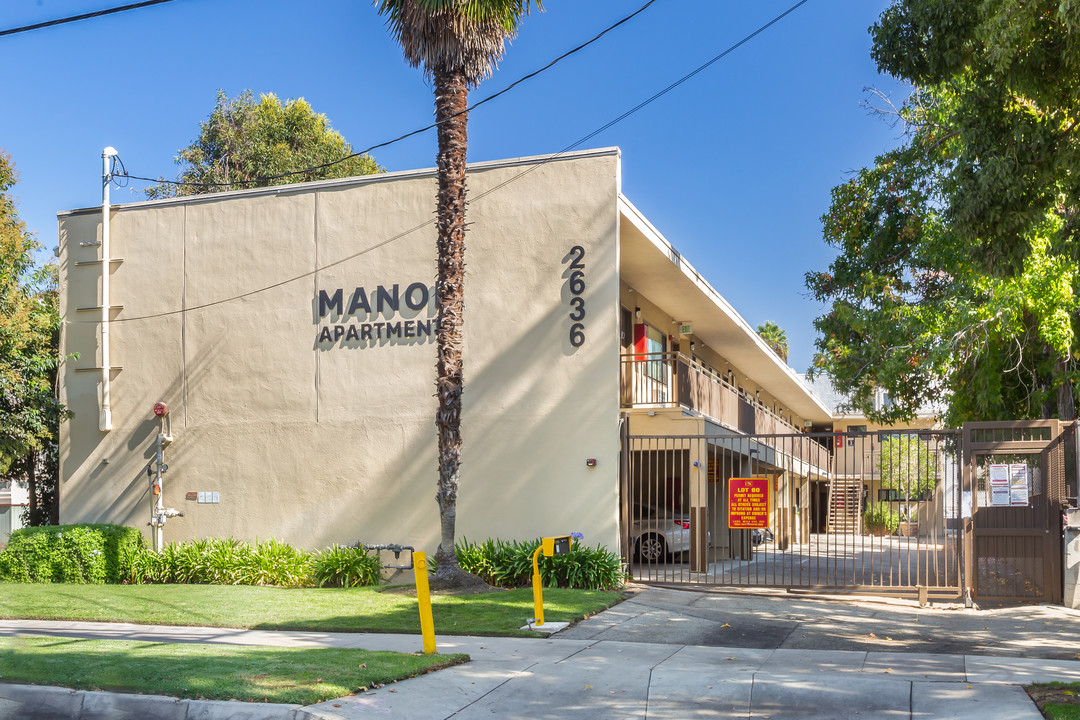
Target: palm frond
467, 36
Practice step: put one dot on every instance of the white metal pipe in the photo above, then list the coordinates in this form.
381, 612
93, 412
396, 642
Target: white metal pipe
158, 520
105, 419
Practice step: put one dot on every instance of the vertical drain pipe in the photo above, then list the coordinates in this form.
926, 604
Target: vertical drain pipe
105, 419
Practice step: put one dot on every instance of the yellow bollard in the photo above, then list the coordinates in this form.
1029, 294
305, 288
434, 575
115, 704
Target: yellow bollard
423, 597
538, 588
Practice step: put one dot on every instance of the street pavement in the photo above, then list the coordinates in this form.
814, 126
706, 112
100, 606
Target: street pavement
662, 654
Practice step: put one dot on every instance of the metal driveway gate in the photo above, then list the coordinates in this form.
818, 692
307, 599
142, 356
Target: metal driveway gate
1014, 475
874, 512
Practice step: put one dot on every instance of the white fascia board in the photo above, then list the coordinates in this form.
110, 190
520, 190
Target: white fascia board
534, 160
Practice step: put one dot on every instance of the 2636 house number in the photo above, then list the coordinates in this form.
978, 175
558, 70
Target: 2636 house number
576, 284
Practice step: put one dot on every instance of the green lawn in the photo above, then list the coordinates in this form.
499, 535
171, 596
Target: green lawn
1058, 701
213, 672
331, 610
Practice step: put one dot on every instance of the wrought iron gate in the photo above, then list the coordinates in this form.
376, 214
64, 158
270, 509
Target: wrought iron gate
874, 512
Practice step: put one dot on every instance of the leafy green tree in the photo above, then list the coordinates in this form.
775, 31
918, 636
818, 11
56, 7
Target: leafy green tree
29, 339
459, 44
243, 140
775, 337
957, 274
907, 465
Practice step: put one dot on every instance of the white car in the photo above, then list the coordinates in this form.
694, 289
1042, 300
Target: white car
656, 533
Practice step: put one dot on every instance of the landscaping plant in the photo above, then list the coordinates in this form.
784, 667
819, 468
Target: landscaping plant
881, 519
116, 554
346, 567
509, 564
71, 553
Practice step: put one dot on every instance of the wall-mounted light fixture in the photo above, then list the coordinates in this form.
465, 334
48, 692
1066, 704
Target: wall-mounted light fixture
691, 346
637, 313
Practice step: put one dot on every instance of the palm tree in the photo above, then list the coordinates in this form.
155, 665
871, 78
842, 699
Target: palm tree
458, 43
775, 337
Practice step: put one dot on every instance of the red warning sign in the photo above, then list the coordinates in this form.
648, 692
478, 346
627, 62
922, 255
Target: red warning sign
748, 503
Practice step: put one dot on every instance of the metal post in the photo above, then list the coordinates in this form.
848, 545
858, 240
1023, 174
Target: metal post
538, 588
423, 597
105, 417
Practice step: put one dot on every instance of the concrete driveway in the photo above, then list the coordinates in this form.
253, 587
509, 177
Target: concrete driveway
782, 620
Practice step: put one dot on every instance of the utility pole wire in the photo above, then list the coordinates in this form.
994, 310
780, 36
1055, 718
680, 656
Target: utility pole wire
84, 16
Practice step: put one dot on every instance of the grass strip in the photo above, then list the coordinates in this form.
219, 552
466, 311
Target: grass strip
208, 672
1057, 701
323, 609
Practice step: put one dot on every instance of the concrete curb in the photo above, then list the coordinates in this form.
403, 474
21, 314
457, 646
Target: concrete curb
32, 702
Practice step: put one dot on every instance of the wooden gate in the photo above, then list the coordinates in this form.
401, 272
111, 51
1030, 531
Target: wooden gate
1014, 495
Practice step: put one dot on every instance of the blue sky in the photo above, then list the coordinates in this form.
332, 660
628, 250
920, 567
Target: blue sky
734, 166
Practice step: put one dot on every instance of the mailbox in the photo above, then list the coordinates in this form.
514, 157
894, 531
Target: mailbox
559, 545
549, 546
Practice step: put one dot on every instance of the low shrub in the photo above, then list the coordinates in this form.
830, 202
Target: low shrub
227, 561
346, 567
881, 519
509, 564
72, 554
116, 554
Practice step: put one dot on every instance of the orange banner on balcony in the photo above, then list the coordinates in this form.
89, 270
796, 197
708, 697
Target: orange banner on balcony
748, 503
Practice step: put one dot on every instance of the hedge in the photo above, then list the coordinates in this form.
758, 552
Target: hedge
93, 554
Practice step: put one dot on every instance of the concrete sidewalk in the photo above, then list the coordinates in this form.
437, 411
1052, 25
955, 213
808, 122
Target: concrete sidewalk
599, 677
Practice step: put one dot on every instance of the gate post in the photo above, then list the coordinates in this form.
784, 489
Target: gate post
699, 506
967, 513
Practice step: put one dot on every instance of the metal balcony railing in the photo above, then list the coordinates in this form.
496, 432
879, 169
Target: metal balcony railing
671, 379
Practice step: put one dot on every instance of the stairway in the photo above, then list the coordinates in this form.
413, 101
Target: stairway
845, 494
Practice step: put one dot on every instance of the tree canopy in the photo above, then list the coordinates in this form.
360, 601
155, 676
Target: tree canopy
29, 338
775, 337
245, 140
957, 275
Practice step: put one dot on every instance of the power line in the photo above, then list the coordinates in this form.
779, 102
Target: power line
292, 173
84, 16
480, 196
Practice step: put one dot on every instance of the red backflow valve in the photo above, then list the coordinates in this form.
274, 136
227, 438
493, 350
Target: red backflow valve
161, 409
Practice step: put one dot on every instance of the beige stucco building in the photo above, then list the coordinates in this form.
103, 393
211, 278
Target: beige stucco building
290, 332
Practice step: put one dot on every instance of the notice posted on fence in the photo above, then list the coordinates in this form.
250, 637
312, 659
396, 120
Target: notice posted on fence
1018, 484
1009, 485
748, 503
999, 485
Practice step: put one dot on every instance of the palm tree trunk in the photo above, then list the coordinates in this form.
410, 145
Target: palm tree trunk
451, 98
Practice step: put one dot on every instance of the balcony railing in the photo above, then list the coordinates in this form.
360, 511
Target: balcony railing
674, 380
